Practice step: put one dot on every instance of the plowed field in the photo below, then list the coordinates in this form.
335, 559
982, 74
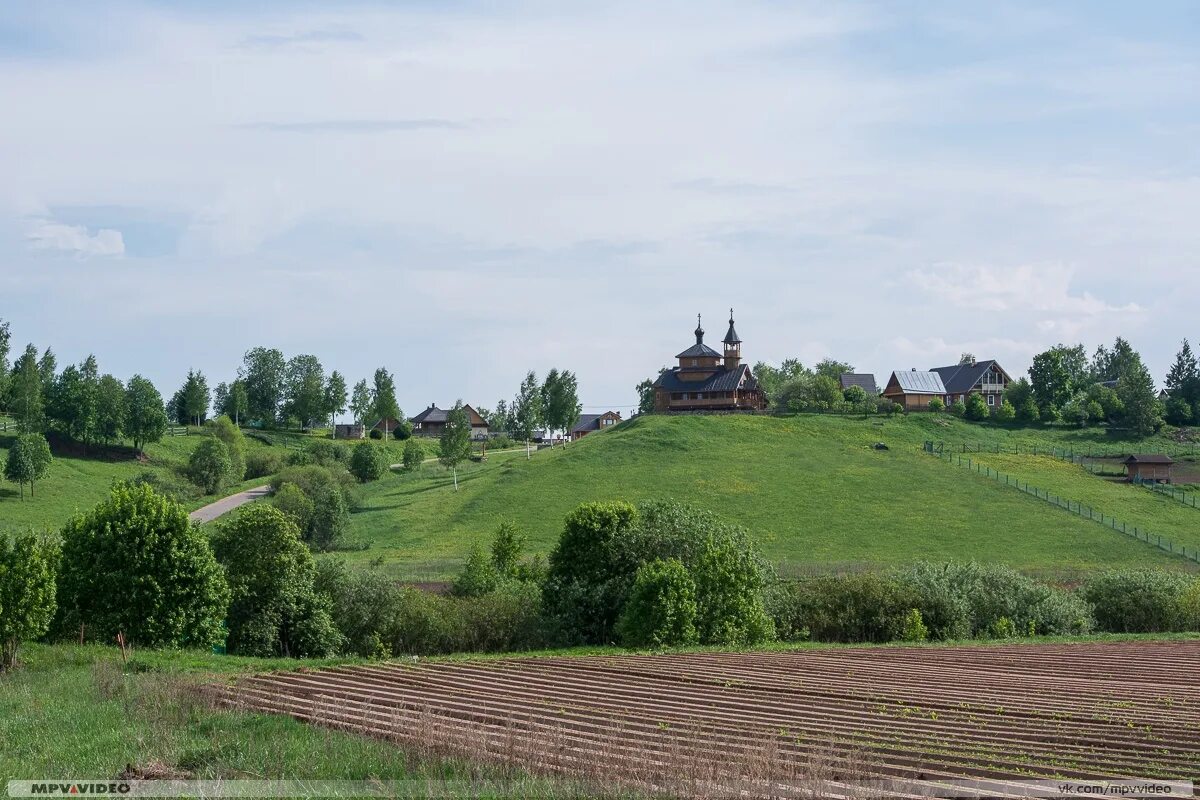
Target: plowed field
775, 723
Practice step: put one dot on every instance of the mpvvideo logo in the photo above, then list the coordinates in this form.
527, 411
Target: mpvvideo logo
55, 789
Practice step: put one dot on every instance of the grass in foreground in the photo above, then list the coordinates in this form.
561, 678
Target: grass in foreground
74, 712
810, 488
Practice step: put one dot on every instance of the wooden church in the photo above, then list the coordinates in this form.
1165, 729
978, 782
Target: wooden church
706, 380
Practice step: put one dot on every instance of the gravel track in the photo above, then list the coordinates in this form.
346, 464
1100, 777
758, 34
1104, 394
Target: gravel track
925, 715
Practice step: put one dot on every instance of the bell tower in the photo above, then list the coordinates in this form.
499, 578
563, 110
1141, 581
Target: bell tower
733, 346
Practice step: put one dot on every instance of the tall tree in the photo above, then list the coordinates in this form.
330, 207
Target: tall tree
47, 368
1184, 369
193, 399
500, 419
5, 343
1057, 375
360, 402
527, 408
1111, 365
304, 391
772, 379
26, 392
110, 409
237, 405
548, 389
145, 417
455, 445
1135, 388
832, 368
561, 403
221, 399
335, 397
264, 371
383, 399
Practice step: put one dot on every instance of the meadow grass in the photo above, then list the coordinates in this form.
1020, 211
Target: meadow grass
1134, 505
78, 712
811, 489
77, 482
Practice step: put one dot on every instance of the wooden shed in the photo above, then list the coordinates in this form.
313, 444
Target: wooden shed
1149, 468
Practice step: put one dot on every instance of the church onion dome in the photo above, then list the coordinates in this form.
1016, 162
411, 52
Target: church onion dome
731, 336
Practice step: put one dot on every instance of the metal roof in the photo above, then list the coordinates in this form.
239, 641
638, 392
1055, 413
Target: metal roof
699, 350
865, 380
961, 378
726, 380
1149, 458
913, 382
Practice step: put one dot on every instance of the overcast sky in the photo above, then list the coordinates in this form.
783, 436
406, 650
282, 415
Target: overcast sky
462, 191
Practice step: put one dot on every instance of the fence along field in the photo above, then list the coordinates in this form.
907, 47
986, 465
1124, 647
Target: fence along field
1067, 504
772, 723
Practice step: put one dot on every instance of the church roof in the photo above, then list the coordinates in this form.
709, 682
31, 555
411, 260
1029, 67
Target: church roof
699, 350
726, 380
731, 336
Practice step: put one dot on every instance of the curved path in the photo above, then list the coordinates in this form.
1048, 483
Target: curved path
226, 504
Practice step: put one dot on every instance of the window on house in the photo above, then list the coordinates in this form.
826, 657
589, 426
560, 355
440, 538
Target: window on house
991, 399
695, 361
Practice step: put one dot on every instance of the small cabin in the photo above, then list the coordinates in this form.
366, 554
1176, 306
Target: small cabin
348, 431
1149, 468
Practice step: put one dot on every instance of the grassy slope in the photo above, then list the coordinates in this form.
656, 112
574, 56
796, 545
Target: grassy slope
76, 484
810, 488
1134, 505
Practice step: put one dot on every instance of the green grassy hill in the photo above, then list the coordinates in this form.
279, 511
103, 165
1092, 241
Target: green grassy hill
77, 481
810, 488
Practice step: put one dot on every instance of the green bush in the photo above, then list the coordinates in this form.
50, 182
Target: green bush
135, 564
914, 627
375, 434
592, 570
275, 610
28, 574
378, 618
848, 608
958, 408
369, 462
168, 485
328, 453
976, 408
235, 445
937, 404
964, 600
478, 576
414, 454
507, 545
330, 516
1005, 412
1139, 601
1027, 411
262, 463
296, 505
661, 610
209, 466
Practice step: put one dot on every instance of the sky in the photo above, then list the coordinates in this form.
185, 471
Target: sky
462, 191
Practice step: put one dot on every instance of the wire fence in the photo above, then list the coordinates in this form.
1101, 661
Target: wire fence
1069, 453
1073, 506
1181, 495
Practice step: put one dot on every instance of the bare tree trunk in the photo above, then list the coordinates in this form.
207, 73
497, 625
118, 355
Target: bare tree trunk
456, 479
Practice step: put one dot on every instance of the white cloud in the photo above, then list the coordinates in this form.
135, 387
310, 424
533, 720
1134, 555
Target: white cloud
1019, 289
49, 234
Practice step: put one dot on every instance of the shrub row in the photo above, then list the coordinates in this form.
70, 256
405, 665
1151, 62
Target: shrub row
970, 600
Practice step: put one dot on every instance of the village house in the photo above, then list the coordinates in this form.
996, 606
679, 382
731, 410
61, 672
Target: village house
594, 422
1149, 468
432, 422
351, 431
864, 381
913, 390
706, 380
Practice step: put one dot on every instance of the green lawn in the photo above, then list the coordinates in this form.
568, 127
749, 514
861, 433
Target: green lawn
810, 488
77, 482
78, 713
1134, 505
